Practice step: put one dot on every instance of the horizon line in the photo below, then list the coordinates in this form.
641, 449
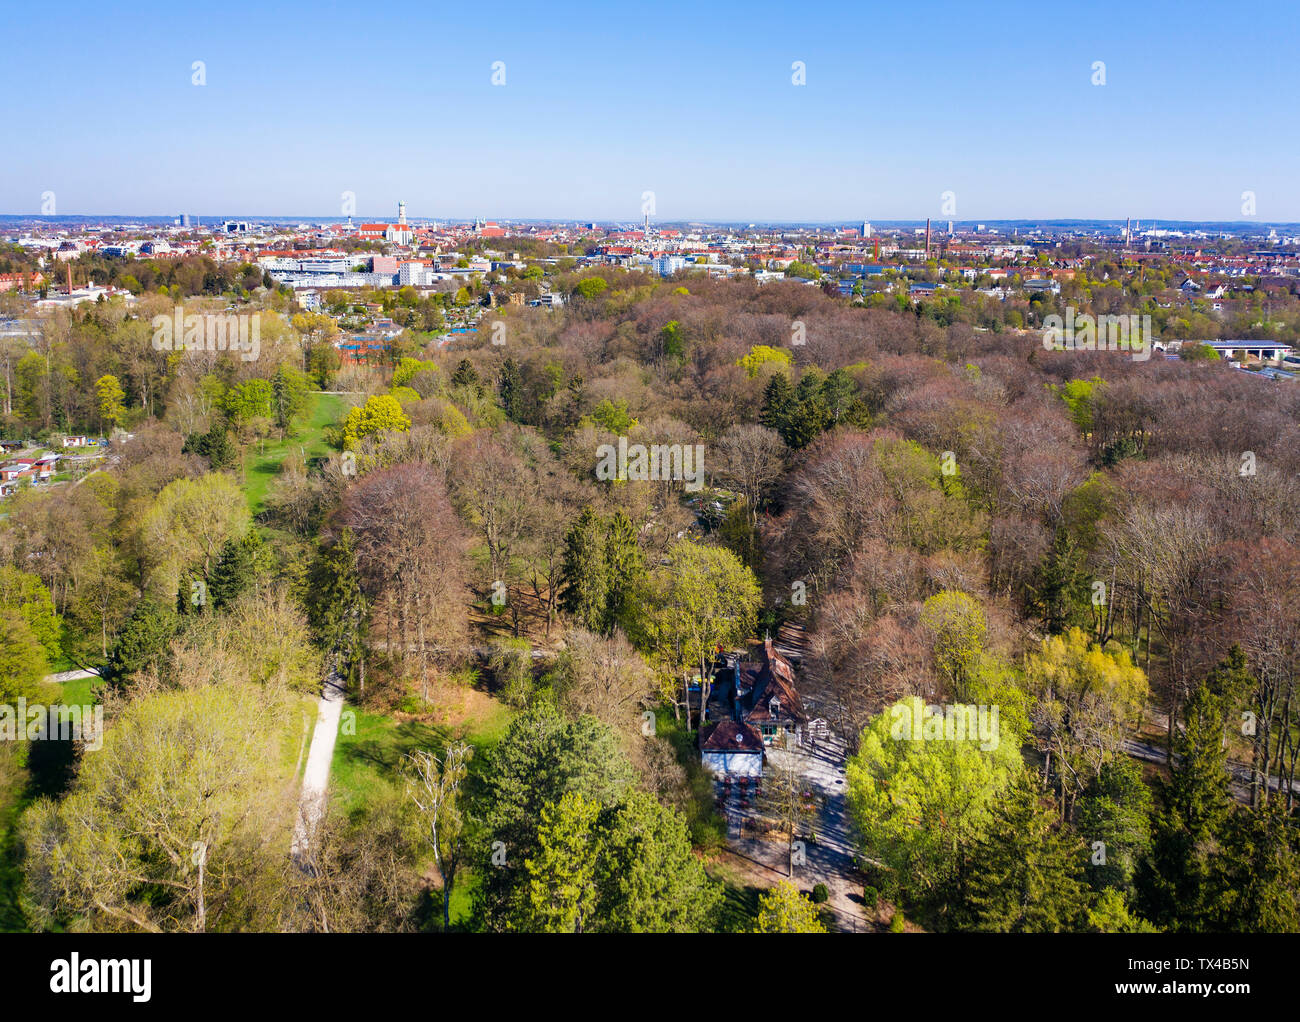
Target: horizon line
843, 221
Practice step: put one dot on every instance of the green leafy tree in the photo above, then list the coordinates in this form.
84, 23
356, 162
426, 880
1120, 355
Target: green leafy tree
704, 599
408, 368
26, 595
612, 416
1080, 398
672, 341
761, 355
784, 910
802, 270
165, 827
959, 629
591, 287
1088, 699
920, 801
190, 521
110, 398
511, 662
22, 659
1198, 353
381, 413
251, 400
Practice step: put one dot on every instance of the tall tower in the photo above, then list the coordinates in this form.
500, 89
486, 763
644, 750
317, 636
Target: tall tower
866, 229
401, 212
927, 237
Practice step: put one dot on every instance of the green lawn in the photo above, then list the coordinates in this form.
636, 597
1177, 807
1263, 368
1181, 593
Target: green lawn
369, 761
367, 767
15, 795
262, 460
739, 912
78, 693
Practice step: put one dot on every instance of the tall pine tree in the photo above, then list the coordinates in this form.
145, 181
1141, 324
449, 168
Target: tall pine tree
511, 390
624, 567
584, 574
1026, 870
1175, 883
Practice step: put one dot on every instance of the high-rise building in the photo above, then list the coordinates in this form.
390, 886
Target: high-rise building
866, 229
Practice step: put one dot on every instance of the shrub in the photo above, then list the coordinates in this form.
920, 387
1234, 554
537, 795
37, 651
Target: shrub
870, 896
820, 894
898, 923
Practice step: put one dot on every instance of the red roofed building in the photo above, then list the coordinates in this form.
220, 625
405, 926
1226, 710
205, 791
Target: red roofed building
23, 281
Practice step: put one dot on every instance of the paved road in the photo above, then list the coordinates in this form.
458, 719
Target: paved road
316, 778
830, 858
1239, 784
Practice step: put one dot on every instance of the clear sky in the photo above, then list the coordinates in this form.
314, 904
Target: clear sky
694, 101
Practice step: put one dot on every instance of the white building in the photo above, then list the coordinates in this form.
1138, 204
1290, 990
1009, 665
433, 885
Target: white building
415, 274
667, 265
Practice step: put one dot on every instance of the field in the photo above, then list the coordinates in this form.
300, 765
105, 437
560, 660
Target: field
262, 460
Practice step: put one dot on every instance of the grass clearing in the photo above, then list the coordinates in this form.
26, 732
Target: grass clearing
262, 460
371, 747
367, 765
739, 912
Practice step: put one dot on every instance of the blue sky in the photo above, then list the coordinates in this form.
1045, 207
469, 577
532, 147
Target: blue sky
693, 101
